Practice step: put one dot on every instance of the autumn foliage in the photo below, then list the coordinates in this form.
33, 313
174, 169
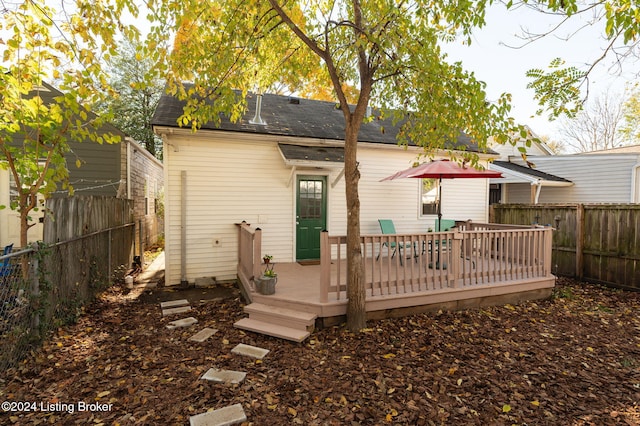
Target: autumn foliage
573, 359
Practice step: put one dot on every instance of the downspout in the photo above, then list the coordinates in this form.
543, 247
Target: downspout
635, 184
538, 186
183, 229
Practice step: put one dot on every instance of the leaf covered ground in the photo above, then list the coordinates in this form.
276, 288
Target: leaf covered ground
571, 360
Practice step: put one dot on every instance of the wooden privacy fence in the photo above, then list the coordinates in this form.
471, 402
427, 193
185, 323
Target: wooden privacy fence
72, 217
595, 242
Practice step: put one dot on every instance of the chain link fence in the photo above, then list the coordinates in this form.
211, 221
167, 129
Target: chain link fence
18, 325
45, 286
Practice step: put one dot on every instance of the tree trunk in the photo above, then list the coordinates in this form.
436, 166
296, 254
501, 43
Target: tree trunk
25, 209
356, 313
24, 241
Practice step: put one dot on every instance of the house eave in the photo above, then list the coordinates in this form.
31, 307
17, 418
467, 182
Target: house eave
205, 133
512, 176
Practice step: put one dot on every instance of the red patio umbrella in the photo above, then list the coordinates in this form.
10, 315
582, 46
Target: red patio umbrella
443, 169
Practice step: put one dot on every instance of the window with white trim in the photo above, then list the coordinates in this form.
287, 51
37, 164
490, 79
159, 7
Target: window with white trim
429, 197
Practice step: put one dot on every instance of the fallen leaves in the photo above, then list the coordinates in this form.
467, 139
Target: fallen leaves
573, 359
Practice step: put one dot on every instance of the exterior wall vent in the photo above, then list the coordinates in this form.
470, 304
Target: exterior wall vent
257, 119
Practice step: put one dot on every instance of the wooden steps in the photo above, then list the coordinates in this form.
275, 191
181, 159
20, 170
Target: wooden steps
277, 322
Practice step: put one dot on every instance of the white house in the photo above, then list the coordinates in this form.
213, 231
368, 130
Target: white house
286, 177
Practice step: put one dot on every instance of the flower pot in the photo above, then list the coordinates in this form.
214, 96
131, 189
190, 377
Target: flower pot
266, 285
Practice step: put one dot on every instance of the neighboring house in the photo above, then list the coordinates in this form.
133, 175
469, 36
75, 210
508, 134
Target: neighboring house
286, 177
125, 170
142, 179
531, 144
523, 179
608, 176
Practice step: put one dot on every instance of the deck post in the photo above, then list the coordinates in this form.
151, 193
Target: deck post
548, 250
325, 266
257, 252
456, 254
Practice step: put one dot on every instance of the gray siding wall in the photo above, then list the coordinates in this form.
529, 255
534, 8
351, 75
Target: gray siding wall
603, 178
146, 186
99, 173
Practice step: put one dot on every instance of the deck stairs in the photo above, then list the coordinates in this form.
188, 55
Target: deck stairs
278, 322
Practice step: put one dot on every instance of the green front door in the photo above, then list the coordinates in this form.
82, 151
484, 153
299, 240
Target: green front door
311, 215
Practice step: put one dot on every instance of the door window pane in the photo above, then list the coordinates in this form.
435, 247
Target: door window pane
310, 202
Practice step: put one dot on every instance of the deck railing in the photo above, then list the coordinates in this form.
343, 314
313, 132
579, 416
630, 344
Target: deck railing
249, 249
472, 254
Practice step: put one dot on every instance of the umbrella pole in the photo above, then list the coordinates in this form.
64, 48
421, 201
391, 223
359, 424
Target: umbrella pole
439, 245
439, 203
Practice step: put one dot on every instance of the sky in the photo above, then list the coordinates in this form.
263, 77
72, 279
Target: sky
503, 68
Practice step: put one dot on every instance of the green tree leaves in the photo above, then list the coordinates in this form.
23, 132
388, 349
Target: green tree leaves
44, 41
138, 90
558, 88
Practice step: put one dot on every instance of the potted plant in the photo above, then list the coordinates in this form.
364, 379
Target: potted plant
266, 283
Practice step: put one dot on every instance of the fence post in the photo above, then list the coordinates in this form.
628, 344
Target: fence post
109, 269
140, 242
580, 241
35, 288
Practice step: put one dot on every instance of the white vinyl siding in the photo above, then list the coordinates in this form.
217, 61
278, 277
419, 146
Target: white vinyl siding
231, 178
227, 182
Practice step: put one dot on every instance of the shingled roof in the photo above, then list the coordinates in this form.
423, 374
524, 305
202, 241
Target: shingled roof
297, 117
530, 171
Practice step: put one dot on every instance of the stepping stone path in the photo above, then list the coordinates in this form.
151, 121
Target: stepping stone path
185, 322
232, 414
203, 334
224, 376
175, 307
251, 351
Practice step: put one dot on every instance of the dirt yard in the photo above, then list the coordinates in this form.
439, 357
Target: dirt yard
570, 360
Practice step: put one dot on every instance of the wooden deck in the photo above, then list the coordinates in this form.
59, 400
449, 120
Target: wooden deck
476, 265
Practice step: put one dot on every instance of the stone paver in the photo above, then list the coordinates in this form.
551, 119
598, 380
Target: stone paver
174, 303
172, 311
203, 334
251, 351
184, 322
205, 282
224, 376
230, 415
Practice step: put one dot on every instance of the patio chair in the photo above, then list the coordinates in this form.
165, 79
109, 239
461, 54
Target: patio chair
387, 227
6, 268
447, 225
